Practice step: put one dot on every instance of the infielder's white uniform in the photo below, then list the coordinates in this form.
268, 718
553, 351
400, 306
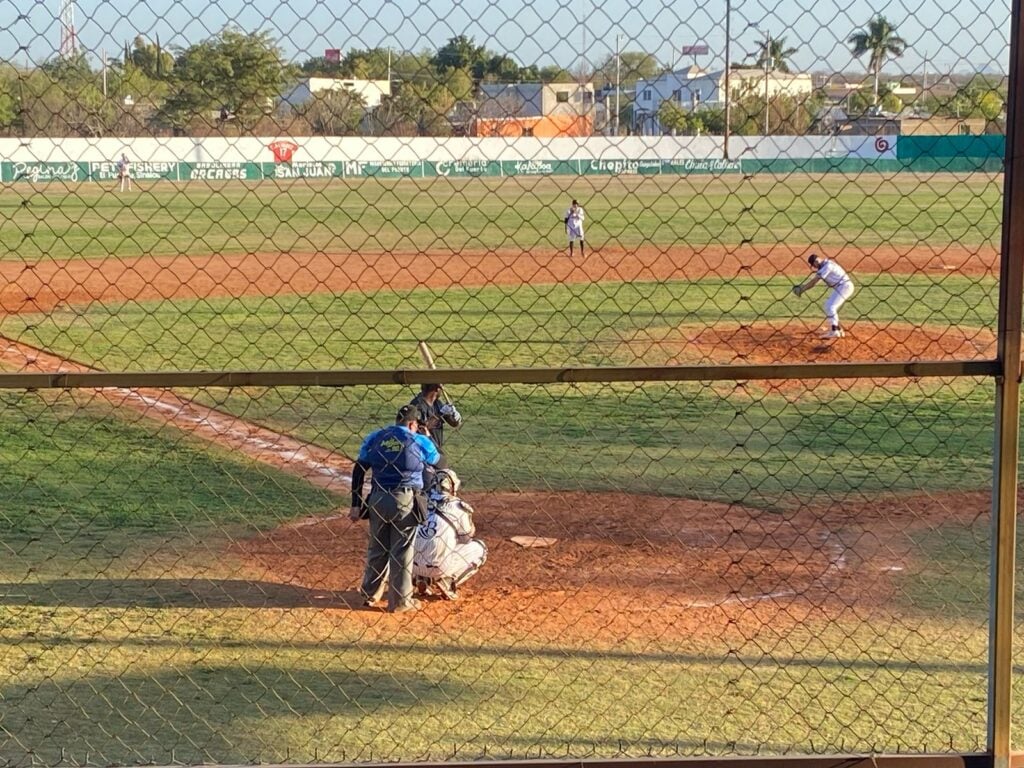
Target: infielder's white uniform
445, 547
124, 174
835, 277
574, 223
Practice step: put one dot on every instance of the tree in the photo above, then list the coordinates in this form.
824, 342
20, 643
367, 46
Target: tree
880, 41
858, 102
243, 72
500, 69
774, 53
459, 84
705, 120
63, 98
978, 98
460, 52
421, 109
634, 65
10, 95
371, 64
151, 59
334, 113
673, 117
132, 81
319, 66
552, 73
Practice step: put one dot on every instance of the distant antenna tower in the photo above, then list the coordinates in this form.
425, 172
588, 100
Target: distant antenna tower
68, 35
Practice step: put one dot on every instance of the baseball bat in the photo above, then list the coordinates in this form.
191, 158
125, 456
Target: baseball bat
428, 358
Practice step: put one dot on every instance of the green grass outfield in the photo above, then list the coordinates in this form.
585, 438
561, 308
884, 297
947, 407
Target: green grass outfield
373, 215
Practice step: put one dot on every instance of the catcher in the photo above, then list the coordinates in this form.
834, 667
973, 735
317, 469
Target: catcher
446, 554
834, 277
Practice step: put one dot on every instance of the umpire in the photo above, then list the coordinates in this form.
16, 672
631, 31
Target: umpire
397, 457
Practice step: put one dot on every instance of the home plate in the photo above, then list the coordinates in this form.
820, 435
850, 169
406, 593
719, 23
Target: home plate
533, 541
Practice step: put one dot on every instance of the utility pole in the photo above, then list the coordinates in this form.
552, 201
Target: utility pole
583, 45
767, 54
103, 60
618, 78
725, 142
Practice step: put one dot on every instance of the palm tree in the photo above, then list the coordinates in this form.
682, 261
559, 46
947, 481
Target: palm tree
773, 55
879, 40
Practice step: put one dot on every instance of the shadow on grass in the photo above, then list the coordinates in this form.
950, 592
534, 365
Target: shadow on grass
172, 593
207, 714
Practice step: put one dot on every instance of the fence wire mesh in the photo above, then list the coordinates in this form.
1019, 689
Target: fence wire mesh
784, 564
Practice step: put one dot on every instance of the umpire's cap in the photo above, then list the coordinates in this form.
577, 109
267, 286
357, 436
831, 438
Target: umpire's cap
407, 413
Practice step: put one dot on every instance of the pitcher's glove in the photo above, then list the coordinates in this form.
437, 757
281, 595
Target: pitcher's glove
798, 290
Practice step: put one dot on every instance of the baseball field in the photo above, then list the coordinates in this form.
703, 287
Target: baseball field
740, 567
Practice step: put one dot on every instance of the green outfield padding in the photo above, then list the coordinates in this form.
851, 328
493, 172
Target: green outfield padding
924, 154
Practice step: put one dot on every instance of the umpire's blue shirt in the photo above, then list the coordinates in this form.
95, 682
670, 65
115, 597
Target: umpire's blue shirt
398, 457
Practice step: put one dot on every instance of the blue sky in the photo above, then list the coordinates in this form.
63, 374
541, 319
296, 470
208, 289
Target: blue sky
951, 35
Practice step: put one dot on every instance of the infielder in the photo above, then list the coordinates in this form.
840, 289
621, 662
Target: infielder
446, 554
834, 277
124, 174
574, 225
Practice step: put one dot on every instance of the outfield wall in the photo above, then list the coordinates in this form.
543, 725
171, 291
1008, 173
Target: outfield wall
253, 159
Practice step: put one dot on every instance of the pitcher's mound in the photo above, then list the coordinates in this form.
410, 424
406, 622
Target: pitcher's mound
798, 342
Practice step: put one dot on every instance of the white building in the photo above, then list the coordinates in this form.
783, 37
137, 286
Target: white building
372, 91
693, 88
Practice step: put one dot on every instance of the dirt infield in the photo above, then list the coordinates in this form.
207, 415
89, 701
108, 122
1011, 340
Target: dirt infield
800, 342
635, 568
46, 285
624, 566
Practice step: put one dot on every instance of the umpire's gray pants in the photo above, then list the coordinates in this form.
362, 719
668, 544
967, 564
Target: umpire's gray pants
390, 548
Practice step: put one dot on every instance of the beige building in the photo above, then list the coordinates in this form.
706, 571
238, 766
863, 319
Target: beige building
502, 100
533, 109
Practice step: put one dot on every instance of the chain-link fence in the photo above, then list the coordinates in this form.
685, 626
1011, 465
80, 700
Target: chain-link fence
717, 302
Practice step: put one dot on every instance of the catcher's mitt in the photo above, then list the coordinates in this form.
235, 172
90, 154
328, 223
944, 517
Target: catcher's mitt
797, 290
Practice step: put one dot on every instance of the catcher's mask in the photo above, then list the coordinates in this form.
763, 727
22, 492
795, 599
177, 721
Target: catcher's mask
447, 482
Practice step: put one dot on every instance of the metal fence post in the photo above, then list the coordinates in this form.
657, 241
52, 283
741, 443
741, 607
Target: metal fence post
1007, 424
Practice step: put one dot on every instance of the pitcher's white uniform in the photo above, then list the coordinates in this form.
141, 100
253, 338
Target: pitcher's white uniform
574, 222
445, 552
834, 277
